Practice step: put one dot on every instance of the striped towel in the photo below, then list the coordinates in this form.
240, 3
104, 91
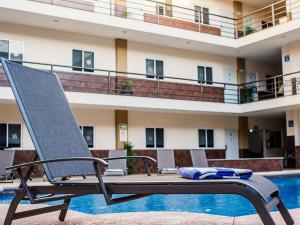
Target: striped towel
200, 173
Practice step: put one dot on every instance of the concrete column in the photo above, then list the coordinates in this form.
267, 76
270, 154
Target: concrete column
241, 70
243, 135
121, 55
237, 13
121, 128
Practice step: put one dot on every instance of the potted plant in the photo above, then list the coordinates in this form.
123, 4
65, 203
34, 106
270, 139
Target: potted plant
247, 93
128, 146
249, 30
126, 88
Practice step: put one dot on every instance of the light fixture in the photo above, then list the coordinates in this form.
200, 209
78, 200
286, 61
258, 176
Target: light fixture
55, 21
124, 31
188, 42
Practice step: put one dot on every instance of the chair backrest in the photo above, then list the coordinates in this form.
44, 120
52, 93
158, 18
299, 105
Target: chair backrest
120, 163
165, 158
49, 120
199, 158
6, 160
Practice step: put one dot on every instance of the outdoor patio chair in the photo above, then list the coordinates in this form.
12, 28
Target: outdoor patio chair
6, 160
199, 157
166, 161
63, 152
116, 167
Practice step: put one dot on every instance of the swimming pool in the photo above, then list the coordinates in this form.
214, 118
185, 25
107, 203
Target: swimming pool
227, 205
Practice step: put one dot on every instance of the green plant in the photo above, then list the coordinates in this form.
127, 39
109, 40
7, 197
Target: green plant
249, 30
126, 85
125, 14
128, 146
247, 93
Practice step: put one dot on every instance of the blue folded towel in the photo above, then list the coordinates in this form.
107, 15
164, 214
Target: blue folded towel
199, 173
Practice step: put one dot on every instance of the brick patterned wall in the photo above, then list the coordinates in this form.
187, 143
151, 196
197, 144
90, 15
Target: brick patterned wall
297, 156
181, 24
256, 165
79, 82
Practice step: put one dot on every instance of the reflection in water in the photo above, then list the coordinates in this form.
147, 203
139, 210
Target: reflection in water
229, 205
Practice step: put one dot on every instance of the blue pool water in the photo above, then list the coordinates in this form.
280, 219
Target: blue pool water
228, 205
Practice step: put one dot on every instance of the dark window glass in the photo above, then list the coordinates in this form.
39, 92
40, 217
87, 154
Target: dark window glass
160, 69
150, 137
205, 15
159, 137
209, 75
4, 49
3, 128
150, 68
201, 77
197, 14
202, 138
210, 138
160, 9
88, 61
14, 135
77, 60
88, 134
275, 139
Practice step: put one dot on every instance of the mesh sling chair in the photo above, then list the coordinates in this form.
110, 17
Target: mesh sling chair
64, 153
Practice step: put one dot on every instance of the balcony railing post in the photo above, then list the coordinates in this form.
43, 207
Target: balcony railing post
275, 87
110, 7
273, 15
51, 68
158, 87
108, 82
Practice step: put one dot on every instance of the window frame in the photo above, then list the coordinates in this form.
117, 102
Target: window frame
13, 40
155, 75
155, 137
201, 16
7, 134
205, 81
81, 127
83, 69
206, 138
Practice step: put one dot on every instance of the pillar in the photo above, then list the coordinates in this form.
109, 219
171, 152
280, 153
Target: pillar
243, 135
121, 55
237, 13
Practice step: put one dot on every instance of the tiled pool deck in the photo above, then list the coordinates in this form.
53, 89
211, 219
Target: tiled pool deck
150, 218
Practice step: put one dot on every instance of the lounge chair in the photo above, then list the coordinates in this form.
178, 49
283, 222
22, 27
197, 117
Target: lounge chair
63, 153
199, 158
6, 160
166, 161
116, 167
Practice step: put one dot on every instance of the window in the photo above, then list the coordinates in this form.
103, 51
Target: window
205, 75
88, 134
154, 69
154, 137
10, 135
275, 139
206, 138
12, 50
83, 60
201, 15
160, 9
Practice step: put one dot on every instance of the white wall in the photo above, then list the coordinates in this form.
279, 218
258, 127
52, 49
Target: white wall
102, 120
177, 63
180, 130
52, 46
293, 51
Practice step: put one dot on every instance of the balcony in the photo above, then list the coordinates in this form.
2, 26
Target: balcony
108, 82
188, 19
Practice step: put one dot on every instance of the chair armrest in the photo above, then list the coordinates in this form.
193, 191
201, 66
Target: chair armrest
131, 157
144, 158
96, 160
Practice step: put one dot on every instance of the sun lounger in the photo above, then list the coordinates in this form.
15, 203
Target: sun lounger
63, 153
166, 161
6, 160
116, 167
199, 158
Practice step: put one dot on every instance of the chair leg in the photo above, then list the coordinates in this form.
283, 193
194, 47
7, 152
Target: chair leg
13, 207
285, 213
63, 212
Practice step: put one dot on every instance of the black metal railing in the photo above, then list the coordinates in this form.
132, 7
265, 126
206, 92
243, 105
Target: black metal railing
138, 84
